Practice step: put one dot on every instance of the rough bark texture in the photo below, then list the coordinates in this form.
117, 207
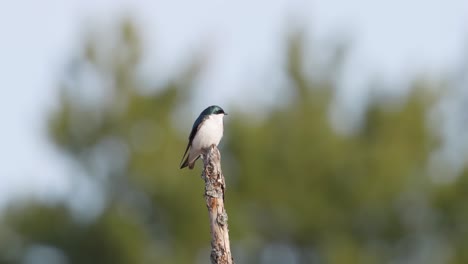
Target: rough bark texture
214, 196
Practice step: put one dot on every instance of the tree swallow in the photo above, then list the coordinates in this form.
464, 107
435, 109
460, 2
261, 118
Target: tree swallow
206, 131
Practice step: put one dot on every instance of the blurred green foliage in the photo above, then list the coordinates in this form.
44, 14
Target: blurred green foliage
298, 192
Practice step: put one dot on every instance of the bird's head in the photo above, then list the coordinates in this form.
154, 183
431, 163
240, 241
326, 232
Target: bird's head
213, 110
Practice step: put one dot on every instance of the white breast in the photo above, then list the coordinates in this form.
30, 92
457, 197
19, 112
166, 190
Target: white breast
210, 132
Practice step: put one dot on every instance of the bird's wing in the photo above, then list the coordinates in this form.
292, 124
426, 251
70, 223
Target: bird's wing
182, 162
195, 128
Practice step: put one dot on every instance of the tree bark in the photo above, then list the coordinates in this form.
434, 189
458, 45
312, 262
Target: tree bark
214, 197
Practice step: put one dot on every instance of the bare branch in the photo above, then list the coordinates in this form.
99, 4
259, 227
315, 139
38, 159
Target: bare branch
214, 197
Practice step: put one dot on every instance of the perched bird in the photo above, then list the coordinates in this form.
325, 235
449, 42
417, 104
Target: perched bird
206, 131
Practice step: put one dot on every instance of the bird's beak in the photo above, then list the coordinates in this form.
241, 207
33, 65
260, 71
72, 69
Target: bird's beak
225, 114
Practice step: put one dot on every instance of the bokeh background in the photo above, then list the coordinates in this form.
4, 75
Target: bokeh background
345, 140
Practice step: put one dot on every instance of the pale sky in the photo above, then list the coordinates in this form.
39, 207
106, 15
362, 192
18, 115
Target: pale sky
394, 39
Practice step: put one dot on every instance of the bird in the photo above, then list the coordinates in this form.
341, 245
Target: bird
206, 132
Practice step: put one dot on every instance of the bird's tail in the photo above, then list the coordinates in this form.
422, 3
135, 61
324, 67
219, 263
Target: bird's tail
185, 164
190, 165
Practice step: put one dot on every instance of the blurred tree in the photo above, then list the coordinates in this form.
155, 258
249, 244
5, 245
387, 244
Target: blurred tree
298, 192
